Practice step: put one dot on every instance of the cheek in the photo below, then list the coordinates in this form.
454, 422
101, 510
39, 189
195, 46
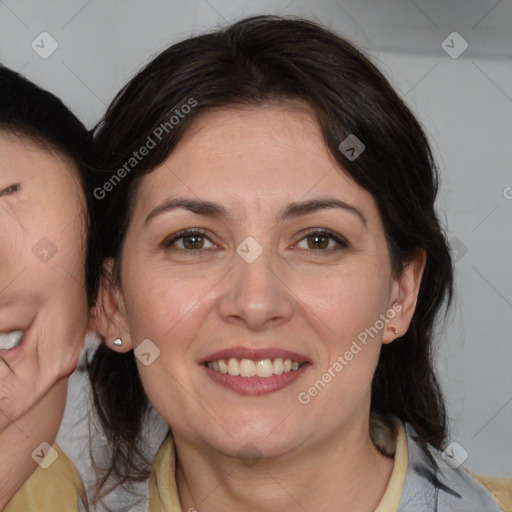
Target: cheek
63, 316
345, 301
168, 312
45, 261
60, 258
56, 271
156, 308
67, 298
343, 309
10, 263
164, 302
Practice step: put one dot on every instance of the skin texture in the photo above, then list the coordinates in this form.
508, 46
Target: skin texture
253, 162
46, 298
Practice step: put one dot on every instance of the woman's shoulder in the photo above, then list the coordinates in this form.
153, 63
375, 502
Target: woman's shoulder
54, 485
499, 487
432, 476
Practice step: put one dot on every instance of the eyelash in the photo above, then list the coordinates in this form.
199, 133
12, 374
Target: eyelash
166, 244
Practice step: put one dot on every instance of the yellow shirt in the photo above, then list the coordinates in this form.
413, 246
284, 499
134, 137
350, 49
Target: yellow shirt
58, 488
163, 493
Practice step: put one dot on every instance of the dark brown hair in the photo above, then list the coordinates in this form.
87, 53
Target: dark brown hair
252, 62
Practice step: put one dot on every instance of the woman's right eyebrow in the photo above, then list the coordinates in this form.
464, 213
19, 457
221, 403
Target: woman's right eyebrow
11, 189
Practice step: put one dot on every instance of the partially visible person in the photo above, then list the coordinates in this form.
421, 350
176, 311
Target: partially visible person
45, 285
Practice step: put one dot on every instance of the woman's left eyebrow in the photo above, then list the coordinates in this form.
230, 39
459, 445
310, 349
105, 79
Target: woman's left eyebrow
292, 210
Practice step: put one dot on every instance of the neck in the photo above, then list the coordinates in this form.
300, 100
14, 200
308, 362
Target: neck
330, 475
20, 438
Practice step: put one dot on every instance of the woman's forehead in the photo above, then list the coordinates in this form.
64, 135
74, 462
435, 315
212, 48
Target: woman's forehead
271, 148
274, 121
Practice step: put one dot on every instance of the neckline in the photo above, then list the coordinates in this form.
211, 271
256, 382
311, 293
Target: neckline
391, 498
163, 493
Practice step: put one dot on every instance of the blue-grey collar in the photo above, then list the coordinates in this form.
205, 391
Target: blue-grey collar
444, 489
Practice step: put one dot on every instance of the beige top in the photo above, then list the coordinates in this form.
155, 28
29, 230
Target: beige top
58, 487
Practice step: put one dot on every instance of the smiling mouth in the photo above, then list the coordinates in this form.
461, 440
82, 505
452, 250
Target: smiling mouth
11, 339
251, 368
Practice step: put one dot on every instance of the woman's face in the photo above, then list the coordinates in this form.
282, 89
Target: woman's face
43, 305
258, 284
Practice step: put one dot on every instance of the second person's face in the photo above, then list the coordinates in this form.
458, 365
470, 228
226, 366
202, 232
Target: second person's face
43, 304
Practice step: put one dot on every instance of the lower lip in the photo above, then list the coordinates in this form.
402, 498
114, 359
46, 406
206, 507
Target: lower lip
255, 386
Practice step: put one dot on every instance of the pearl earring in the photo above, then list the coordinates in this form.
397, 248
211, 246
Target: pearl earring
395, 330
118, 342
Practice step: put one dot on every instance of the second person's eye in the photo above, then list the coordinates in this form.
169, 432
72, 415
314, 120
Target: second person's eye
10, 189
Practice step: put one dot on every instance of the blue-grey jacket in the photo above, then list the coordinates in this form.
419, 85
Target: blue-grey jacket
442, 489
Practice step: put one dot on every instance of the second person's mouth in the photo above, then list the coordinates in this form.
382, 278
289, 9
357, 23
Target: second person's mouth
11, 339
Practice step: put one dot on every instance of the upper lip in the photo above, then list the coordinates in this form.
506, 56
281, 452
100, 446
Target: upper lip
254, 354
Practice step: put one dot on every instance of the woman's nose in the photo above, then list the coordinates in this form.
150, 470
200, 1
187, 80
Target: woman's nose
255, 291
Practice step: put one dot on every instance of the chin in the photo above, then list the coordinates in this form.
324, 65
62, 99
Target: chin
250, 441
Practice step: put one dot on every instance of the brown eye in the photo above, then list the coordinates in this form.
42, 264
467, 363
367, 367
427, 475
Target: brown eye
318, 241
191, 240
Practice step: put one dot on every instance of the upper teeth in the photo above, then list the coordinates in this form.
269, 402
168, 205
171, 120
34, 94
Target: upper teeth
10, 339
250, 368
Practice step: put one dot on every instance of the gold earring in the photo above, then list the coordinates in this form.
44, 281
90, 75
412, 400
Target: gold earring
395, 330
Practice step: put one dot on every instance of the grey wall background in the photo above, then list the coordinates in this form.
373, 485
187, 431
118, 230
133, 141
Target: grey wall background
464, 101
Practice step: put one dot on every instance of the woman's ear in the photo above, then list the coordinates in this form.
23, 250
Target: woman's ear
108, 313
405, 296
